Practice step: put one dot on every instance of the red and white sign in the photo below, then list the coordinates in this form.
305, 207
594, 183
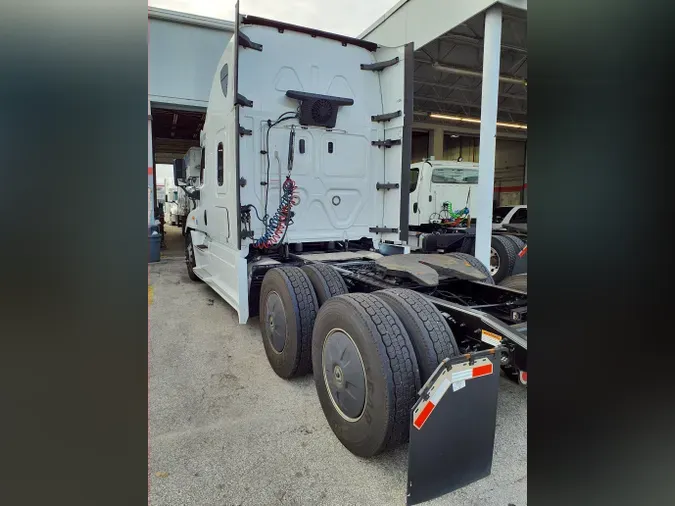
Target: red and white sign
456, 377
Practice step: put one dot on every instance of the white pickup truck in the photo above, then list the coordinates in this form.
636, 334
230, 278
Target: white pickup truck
509, 215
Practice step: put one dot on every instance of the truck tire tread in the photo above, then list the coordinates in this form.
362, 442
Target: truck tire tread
326, 281
429, 333
517, 241
509, 248
398, 361
305, 310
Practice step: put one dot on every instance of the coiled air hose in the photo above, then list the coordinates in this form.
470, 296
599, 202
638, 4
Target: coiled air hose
277, 224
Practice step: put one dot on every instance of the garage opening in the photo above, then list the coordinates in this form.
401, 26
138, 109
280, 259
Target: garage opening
174, 132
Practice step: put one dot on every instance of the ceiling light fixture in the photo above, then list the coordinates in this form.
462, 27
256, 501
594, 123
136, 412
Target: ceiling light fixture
464, 119
474, 73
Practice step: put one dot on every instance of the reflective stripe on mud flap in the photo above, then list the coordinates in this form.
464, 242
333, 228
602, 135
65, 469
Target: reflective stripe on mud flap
456, 377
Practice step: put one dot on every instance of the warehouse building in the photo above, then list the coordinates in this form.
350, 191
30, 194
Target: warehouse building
449, 40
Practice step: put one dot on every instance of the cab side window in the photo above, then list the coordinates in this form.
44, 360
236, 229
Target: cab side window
520, 216
414, 177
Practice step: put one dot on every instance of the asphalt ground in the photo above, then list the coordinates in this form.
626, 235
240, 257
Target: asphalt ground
225, 430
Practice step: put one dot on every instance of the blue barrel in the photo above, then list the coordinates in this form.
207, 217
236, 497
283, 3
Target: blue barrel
154, 246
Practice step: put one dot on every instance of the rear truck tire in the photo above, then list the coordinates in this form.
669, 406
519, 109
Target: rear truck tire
502, 257
288, 308
429, 333
517, 282
520, 244
326, 281
474, 262
365, 371
190, 260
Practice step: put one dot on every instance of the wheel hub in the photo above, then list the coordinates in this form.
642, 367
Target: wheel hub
344, 374
337, 372
494, 262
275, 320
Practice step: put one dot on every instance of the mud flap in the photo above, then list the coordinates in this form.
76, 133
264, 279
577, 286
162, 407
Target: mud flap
452, 426
520, 266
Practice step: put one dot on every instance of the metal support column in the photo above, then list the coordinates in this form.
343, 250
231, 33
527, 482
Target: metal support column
488, 131
437, 137
151, 172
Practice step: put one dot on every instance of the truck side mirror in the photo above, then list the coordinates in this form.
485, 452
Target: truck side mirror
178, 170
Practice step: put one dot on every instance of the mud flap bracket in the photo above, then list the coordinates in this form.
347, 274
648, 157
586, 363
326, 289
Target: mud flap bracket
452, 426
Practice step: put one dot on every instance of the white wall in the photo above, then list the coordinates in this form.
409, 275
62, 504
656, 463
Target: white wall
182, 59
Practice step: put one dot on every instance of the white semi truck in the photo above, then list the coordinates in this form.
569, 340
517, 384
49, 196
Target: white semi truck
441, 219
439, 189
301, 219
187, 176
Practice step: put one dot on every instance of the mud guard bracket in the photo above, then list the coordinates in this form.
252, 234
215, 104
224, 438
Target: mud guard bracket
452, 426
520, 266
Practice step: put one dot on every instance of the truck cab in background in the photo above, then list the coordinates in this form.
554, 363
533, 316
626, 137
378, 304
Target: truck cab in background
187, 177
439, 187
